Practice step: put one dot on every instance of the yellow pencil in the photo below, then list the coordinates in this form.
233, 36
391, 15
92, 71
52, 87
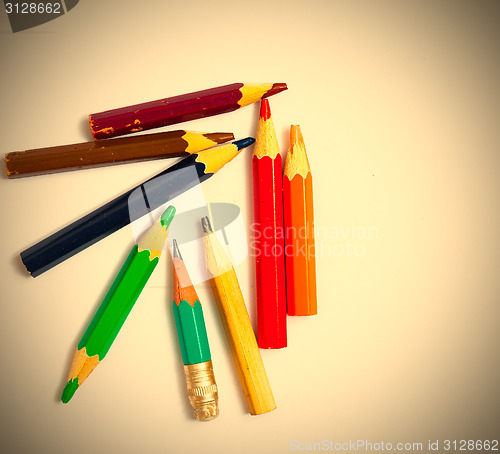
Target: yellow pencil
236, 322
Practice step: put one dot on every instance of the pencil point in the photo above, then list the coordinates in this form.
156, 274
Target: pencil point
176, 253
265, 110
243, 143
276, 88
205, 224
167, 216
69, 390
295, 135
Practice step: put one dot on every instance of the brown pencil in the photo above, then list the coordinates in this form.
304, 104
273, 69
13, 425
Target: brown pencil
88, 155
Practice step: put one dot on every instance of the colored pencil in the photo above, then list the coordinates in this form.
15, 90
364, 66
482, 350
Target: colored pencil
299, 222
117, 304
123, 150
236, 322
168, 111
193, 342
114, 215
269, 232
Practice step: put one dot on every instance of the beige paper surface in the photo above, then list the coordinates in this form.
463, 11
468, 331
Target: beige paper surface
398, 105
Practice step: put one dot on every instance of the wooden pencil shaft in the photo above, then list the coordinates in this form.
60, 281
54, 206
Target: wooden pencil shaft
191, 331
177, 109
188, 315
109, 152
299, 244
269, 253
114, 215
117, 304
269, 238
238, 329
193, 342
108, 219
299, 221
124, 291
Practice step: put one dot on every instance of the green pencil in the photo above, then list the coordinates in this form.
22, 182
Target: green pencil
193, 341
117, 303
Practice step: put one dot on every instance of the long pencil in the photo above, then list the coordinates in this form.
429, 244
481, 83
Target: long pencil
114, 215
117, 303
269, 232
177, 109
193, 342
123, 150
299, 222
236, 322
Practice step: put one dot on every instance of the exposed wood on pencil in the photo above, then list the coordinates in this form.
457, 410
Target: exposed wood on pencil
183, 287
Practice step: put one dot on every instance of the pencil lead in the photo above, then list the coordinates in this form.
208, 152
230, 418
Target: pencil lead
205, 224
295, 135
243, 143
176, 252
167, 216
265, 110
69, 390
276, 88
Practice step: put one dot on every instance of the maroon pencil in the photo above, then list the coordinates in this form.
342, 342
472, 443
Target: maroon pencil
177, 109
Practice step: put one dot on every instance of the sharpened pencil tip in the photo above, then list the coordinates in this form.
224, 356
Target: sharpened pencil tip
265, 110
243, 143
205, 224
167, 216
176, 252
69, 390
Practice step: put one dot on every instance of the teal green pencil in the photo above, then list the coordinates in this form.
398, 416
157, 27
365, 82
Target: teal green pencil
193, 341
117, 303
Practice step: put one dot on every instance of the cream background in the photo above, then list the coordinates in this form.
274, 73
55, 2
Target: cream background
399, 107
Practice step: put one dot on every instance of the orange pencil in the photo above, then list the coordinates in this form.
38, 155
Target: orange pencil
299, 222
268, 234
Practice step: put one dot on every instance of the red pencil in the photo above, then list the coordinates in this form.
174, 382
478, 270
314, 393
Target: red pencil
268, 234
